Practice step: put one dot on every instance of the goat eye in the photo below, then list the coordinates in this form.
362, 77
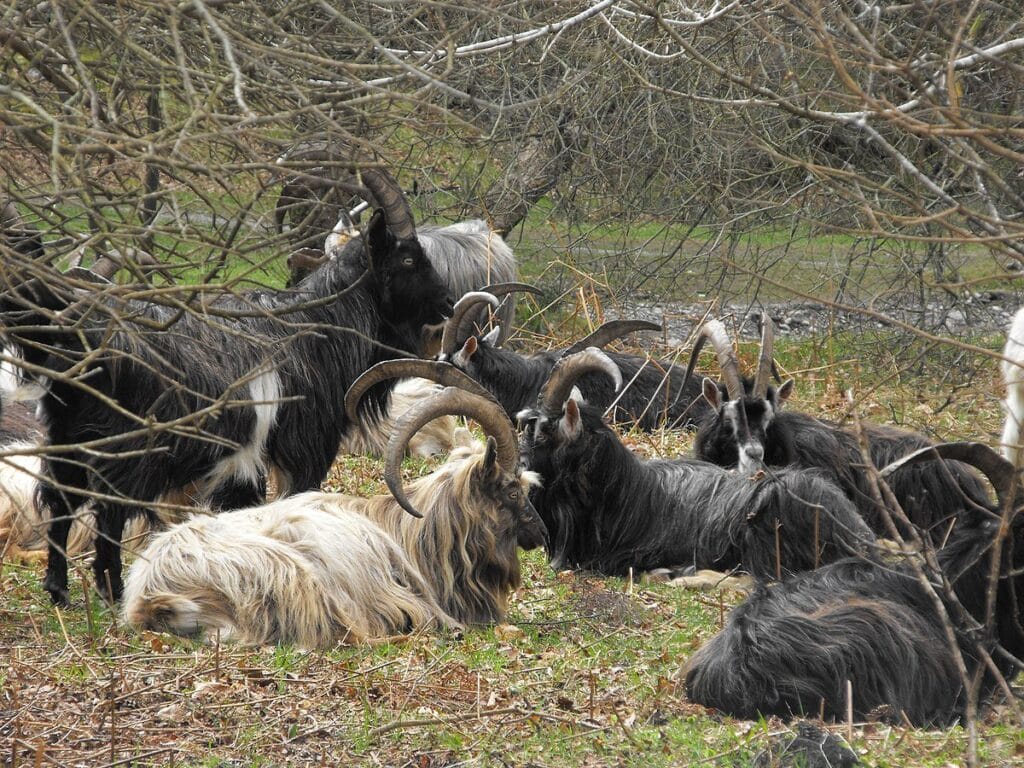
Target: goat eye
514, 495
408, 261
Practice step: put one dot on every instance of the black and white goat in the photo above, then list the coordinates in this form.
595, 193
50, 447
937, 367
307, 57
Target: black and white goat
654, 395
873, 631
468, 255
149, 399
319, 569
609, 511
749, 428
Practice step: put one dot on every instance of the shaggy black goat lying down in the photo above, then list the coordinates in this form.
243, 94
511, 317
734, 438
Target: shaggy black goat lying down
320, 569
791, 647
749, 427
609, 511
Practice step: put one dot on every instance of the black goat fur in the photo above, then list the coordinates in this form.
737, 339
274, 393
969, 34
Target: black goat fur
791, 647
257, 378
932, 494
608, 511
653, 395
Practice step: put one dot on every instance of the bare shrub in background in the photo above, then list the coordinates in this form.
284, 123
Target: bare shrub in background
859, 156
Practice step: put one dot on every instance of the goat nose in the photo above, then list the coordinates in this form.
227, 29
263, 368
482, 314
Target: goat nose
754, 452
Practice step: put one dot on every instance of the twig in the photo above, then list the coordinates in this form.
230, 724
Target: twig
401, 724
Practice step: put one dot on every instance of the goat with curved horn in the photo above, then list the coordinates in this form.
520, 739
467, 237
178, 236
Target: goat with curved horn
460, 324
753, 430
608, 510
656, 395
451, 400
806, 645
337, 568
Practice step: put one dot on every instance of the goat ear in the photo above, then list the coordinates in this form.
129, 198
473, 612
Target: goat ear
493, 335
491, 455
783, 392
571, 424
464, 355
711, 393
378, 240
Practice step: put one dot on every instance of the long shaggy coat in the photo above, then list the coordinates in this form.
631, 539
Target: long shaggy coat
320, 569
606, 510
932, 493
790, 648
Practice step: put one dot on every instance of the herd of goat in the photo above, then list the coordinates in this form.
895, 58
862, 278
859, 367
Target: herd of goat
147, 410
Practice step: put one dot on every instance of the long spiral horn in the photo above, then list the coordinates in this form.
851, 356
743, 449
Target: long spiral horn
608, 332
443, 373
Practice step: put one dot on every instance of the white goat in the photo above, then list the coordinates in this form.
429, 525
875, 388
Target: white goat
1013, 375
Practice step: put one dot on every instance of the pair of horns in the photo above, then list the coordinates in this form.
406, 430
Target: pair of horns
714, 331
462, 324
461, 396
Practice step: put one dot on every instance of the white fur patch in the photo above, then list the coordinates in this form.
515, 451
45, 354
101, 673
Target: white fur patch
249, 461
533, 479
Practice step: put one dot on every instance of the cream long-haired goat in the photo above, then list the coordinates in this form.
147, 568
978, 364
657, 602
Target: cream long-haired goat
320, 569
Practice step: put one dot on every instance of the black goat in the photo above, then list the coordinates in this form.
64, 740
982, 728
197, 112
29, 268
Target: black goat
468, 255
205, 400
654, 395
748, 428
608, 511
792, 647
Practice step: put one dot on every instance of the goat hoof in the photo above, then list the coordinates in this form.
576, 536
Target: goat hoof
59, 597
114, 596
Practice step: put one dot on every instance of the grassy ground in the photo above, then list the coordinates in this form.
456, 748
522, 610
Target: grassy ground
585, 673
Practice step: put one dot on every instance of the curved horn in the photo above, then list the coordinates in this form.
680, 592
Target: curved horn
457, 328
999, 471
567, 372
503, 289
397, 210
443, 373
766, 359
727, 362
449, 401
608, 332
